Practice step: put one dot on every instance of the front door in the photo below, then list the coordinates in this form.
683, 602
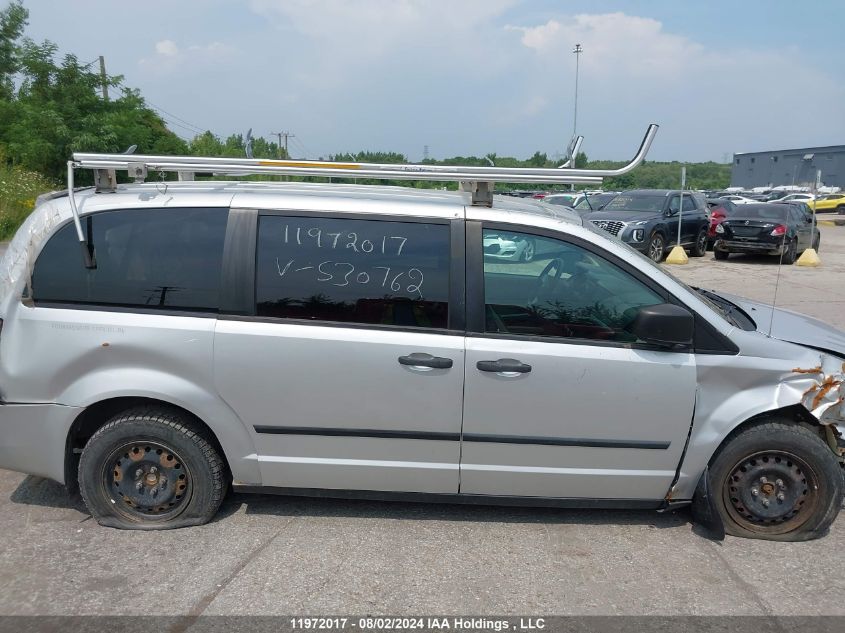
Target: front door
348, 371
560, 399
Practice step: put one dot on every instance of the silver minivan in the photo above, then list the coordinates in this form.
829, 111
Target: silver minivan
346, 340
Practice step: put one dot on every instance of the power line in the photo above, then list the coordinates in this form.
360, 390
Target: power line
286, 136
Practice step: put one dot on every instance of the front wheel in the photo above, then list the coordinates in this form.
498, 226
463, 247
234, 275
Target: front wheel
656, 247
777, 481
149, 469
720, 254
699, 249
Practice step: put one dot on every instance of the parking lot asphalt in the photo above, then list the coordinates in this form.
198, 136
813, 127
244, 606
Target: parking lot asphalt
283, 555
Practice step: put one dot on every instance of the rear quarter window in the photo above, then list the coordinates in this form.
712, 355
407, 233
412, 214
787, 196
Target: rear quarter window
145, 258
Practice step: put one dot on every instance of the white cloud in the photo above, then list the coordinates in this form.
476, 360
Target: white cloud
169, 57
167, 48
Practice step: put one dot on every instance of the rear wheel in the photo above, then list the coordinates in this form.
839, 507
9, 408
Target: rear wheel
817, 242
720, 254
149, 469
791, 253
777, 481
699, 249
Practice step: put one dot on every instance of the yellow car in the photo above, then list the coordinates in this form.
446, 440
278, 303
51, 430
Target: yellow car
829, 202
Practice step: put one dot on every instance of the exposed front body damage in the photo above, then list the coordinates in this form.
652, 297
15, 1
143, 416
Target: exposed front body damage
766, 376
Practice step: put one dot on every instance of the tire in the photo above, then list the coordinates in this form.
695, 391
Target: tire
791, 253
720, 255
841, 209
777, 481
656, 247
148, 469
529, 252
817, 242
699, 249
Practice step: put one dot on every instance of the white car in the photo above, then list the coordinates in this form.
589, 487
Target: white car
739, 199
798, 197
510, 247
564, 199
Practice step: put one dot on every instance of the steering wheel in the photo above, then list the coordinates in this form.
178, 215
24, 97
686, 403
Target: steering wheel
548, 279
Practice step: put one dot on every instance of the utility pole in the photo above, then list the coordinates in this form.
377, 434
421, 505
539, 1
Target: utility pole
103, 79
286, 135
577, 50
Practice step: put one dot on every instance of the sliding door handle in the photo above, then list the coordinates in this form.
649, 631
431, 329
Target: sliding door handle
504, 365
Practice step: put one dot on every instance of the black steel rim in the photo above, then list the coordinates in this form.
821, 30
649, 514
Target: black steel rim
771, 492
702, 242
147, 480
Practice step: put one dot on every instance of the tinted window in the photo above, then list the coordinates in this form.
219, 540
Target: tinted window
627, 202
354, 271
689, 204
565, 291
158, 258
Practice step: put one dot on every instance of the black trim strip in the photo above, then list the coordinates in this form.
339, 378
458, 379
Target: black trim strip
461, 498
399, 435
564, 441
456, 437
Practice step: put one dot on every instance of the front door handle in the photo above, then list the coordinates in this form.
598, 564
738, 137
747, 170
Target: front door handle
504, 365
425, 360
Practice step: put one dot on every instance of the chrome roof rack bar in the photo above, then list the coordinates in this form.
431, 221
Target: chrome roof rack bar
137, 164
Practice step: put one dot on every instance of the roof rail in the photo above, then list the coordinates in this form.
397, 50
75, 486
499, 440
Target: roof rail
477, 180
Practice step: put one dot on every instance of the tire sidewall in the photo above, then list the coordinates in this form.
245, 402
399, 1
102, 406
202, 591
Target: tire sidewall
121, 431
792, 439
651, 239
699, 249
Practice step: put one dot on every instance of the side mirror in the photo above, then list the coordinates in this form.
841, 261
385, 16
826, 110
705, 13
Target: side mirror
664, 324
670, 212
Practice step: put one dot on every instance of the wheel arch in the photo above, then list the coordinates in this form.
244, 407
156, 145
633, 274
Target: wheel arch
796, 414
97, 415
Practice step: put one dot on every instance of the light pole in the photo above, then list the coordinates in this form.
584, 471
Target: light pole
577, 50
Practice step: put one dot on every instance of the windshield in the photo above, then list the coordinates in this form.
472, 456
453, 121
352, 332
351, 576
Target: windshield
625, 202
595, 202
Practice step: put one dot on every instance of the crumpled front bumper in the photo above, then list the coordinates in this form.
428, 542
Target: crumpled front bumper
824, 394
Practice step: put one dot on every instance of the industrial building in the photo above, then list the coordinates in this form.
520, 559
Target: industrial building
790, 167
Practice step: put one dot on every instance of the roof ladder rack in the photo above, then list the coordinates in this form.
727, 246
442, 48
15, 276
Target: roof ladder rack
478, 181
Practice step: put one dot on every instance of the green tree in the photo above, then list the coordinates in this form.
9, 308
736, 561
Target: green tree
13, 19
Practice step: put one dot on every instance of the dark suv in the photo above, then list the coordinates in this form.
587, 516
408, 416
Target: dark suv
647, 219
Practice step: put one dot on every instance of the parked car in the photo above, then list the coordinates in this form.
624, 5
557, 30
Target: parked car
720, 208
647, 220
767, 228
564, 199
829, 202
595, 202
798, 197
739, 199
357, 341
509, 246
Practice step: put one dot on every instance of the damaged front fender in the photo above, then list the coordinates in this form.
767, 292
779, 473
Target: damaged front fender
825, 396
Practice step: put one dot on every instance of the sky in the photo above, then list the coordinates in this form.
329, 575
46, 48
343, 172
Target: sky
470, 77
